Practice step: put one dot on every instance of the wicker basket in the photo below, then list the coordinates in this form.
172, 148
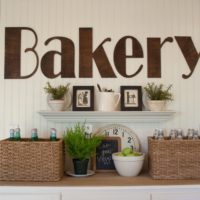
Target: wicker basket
174, 159
28, 160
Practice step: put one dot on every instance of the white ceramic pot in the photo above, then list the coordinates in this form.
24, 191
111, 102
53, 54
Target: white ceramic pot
128, 165
56, 105
156, 105
59, 105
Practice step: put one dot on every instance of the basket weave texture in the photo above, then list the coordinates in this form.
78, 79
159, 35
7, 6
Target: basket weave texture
28, 160
174, 159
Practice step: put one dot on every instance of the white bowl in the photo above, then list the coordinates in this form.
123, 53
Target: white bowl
128, 165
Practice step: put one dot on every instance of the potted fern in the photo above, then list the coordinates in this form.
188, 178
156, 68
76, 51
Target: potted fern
80, 147
158, 96
58, 97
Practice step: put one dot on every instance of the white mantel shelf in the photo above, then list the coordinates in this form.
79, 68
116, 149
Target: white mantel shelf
107, 117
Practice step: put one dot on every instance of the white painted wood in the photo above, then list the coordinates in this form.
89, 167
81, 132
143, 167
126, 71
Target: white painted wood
110, 194
176, 196
30, 196
156, 192
107, 117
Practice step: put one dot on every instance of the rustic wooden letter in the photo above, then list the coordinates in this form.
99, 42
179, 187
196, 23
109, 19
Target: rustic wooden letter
13, 52
67, 59
154, 46
189, 52
86, 55
120, 55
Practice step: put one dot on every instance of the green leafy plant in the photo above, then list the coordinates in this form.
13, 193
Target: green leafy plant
78, 144
57, 92
158, 92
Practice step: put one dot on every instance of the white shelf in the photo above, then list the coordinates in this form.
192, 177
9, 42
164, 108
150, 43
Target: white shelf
107, 117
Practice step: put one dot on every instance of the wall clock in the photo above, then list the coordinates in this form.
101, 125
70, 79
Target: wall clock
128, 137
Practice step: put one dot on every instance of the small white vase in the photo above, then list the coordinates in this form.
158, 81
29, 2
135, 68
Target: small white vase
157, 105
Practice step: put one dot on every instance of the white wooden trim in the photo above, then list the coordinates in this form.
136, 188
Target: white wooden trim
108, 117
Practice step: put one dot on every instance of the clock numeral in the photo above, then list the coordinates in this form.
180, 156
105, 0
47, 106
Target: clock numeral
129, 139
133, 148
115, 131
106, 133
123, 134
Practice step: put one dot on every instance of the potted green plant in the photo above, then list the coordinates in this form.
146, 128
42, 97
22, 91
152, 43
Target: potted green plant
80, 147
58, 97
158, 95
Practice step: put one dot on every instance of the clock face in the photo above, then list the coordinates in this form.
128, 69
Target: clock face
128, 137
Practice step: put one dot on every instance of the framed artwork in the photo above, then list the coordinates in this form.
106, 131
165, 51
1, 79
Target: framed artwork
131, 98
83, 98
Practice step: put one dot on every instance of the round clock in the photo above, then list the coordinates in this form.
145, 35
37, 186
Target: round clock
128, 137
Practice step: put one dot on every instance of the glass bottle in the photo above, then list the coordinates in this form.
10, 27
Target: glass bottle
12, 134
172, 134
34, 135
155, 134
53, 136
17, 134
195, 135
160, 134
190, 134
179, 135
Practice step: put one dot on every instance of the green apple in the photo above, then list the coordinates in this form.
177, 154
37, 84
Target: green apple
130, 154
120, 154
135, 153
127, 151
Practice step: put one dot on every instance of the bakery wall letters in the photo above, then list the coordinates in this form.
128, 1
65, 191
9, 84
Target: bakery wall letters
88, 53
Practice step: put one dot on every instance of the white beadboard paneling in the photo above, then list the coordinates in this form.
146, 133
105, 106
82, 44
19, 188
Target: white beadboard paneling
22, 99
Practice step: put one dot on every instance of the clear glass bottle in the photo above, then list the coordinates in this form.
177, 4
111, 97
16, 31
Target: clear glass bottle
172, 134
179, 135
190, 134
160, 134
195, 135
155, 134
34, 135
53, 136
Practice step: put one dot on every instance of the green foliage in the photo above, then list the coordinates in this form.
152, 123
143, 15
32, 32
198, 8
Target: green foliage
57, 92
78, 145
158, 92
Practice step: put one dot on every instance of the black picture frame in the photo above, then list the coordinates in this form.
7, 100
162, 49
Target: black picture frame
83, 98
131, 98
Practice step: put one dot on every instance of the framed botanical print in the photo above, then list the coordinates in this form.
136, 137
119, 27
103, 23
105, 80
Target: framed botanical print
131, 98
83, 98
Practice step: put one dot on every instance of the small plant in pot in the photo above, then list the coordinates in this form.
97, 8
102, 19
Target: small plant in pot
158, 95
80, 147
57, 96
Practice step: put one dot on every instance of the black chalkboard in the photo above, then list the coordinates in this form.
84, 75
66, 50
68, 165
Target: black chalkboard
103, 159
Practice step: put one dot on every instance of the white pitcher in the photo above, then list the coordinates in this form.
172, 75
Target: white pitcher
107, 101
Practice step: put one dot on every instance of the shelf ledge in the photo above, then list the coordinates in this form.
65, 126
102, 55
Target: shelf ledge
107, 117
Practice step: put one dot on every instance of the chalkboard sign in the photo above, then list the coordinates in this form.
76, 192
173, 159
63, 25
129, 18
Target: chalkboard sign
103, 159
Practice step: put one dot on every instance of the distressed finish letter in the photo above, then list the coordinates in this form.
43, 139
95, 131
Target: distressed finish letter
154, 56
86, 55
189, 52
13, 52
120, 55
67, 59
